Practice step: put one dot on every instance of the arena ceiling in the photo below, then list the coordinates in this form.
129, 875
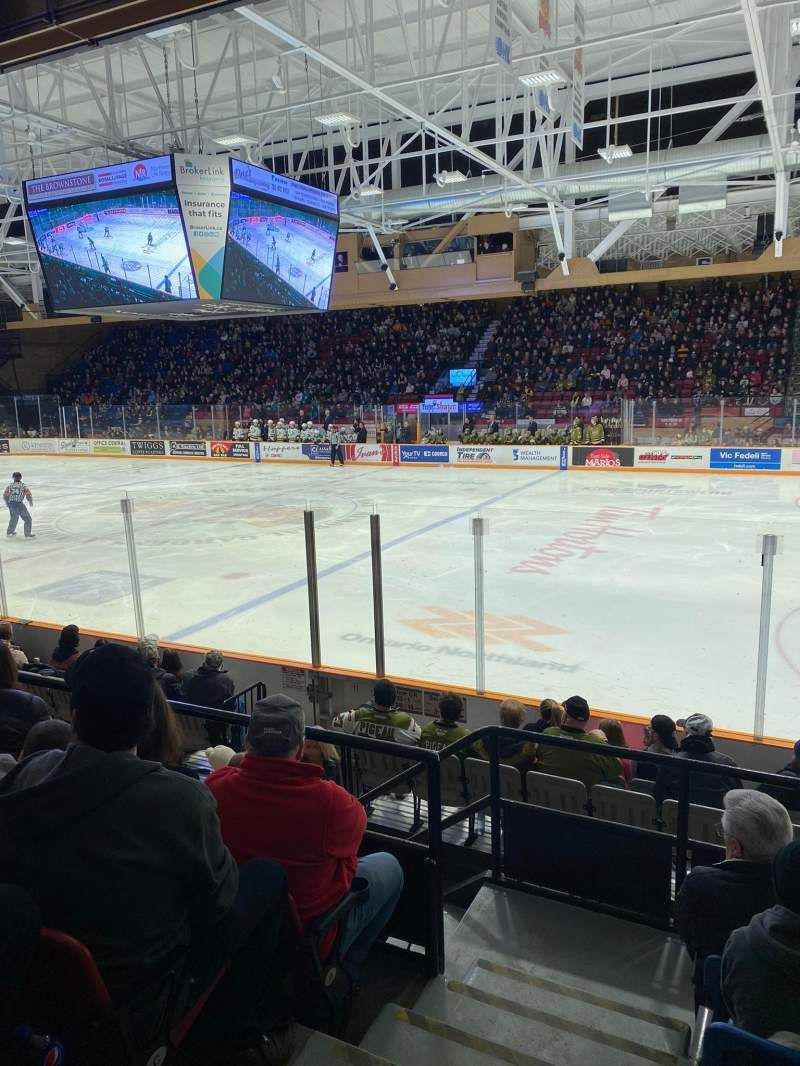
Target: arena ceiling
429, 127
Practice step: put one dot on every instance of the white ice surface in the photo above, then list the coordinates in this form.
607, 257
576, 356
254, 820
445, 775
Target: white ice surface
658, 611
292, 254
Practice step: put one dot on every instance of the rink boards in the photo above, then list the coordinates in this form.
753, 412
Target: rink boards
659, 459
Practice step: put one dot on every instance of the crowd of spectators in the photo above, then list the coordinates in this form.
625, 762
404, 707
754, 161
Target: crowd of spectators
105, 812
678, 345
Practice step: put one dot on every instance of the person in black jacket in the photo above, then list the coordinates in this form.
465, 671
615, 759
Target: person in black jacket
789, 797
169, 683
715, 900
706, 789
761, 963
128, 857
19, 710
661, 739
210, 686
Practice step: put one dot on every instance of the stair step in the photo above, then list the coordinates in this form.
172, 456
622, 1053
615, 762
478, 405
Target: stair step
561, 999
322, 1050
557, 1031
409, 1038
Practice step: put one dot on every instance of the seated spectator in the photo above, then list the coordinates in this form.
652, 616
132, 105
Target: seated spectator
66, 651
761, 963
715, 900
551, 713
590, 766
660, 738
19, 710
7, 764
163, 743
211, 686
511, 751
171, 663
54, 734
148, 649
446, 730
706, 789
277, 806
789, 797
379, 719
128, 857
613, 732
324, 755
7, 638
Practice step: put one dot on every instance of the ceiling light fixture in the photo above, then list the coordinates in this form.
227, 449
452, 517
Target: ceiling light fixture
449, 177
277, 83
336, 118
369, 190
234, 140
542, 77
794, 26
615, 151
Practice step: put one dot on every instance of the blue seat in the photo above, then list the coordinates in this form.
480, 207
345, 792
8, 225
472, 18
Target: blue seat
725, 1045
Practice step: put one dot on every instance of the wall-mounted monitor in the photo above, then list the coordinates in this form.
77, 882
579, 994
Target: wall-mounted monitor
463, 377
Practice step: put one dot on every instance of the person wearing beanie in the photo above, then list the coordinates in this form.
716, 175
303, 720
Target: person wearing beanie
277, 805
660, 737
380, 719
697, 744
715, 900
761, 962
789, 797
590, 766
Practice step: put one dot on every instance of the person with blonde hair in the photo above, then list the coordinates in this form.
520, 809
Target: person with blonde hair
551, 713
512, 751
614, 734
324, 755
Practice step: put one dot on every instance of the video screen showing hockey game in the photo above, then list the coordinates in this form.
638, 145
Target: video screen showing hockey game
126, 249
278, 254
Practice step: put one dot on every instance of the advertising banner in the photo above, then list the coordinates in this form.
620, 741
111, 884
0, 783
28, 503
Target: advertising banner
108, 447
424, 453
602, 457
475, 454
372, 453
74, 446
33, 444
148, 447
745, 459
317, 451
279, 450
187, 447
141, 172
791, 458
230, 449
671, 458
500, 31
439, 406
532, 454
204, 191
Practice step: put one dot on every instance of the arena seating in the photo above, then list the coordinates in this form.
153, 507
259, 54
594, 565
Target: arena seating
720, 339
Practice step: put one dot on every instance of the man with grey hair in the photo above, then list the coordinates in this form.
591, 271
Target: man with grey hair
715, 900
149, 651
276, 806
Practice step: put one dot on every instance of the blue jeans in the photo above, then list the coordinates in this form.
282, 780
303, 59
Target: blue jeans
364, 924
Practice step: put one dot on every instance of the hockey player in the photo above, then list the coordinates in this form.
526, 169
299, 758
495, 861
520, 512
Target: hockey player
337, 451
167, 284
255, 430
106, 232
595, 431
293, 433
378, 719
106, 267
149, 240
15, 496
270, 429
91, 243
281, 430
238, 431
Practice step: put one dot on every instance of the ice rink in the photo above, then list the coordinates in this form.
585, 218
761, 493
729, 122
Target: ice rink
299, 253
639, 591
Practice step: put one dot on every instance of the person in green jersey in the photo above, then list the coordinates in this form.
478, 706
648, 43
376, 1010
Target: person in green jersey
380, 719
446, 730
576, 433
595, 431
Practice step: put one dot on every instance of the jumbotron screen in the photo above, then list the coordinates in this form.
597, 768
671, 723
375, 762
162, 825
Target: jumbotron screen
111, 236
281, 240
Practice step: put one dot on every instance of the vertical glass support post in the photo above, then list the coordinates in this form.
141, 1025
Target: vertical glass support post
3, 600
126, 506
653, 428
124, 431
769, 549
313, 589
78, 419
478, 531
91, 422
39, 407
377, 594
721, 417
794, 420
158, 424
16, 416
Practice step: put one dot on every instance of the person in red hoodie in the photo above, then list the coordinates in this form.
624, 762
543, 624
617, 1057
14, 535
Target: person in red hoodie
274, 805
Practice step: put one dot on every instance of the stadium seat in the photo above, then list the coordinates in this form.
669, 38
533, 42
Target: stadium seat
704, 822
557, 793
623, 806
725, 1045
643, 784
477, 771
454, 788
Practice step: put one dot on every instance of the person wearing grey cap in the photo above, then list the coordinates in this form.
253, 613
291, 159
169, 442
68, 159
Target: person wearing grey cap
210, 686
706, 789
276, 806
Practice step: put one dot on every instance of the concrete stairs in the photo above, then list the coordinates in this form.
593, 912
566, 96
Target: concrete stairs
534, 982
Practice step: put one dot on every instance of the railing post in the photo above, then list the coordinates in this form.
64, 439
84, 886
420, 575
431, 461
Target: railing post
478, 530
126, 506
377, 594
496, 807
769, 549
435, 958
682, 844
313, 590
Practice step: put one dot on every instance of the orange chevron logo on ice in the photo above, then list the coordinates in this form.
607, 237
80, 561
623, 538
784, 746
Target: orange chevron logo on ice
498, 629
